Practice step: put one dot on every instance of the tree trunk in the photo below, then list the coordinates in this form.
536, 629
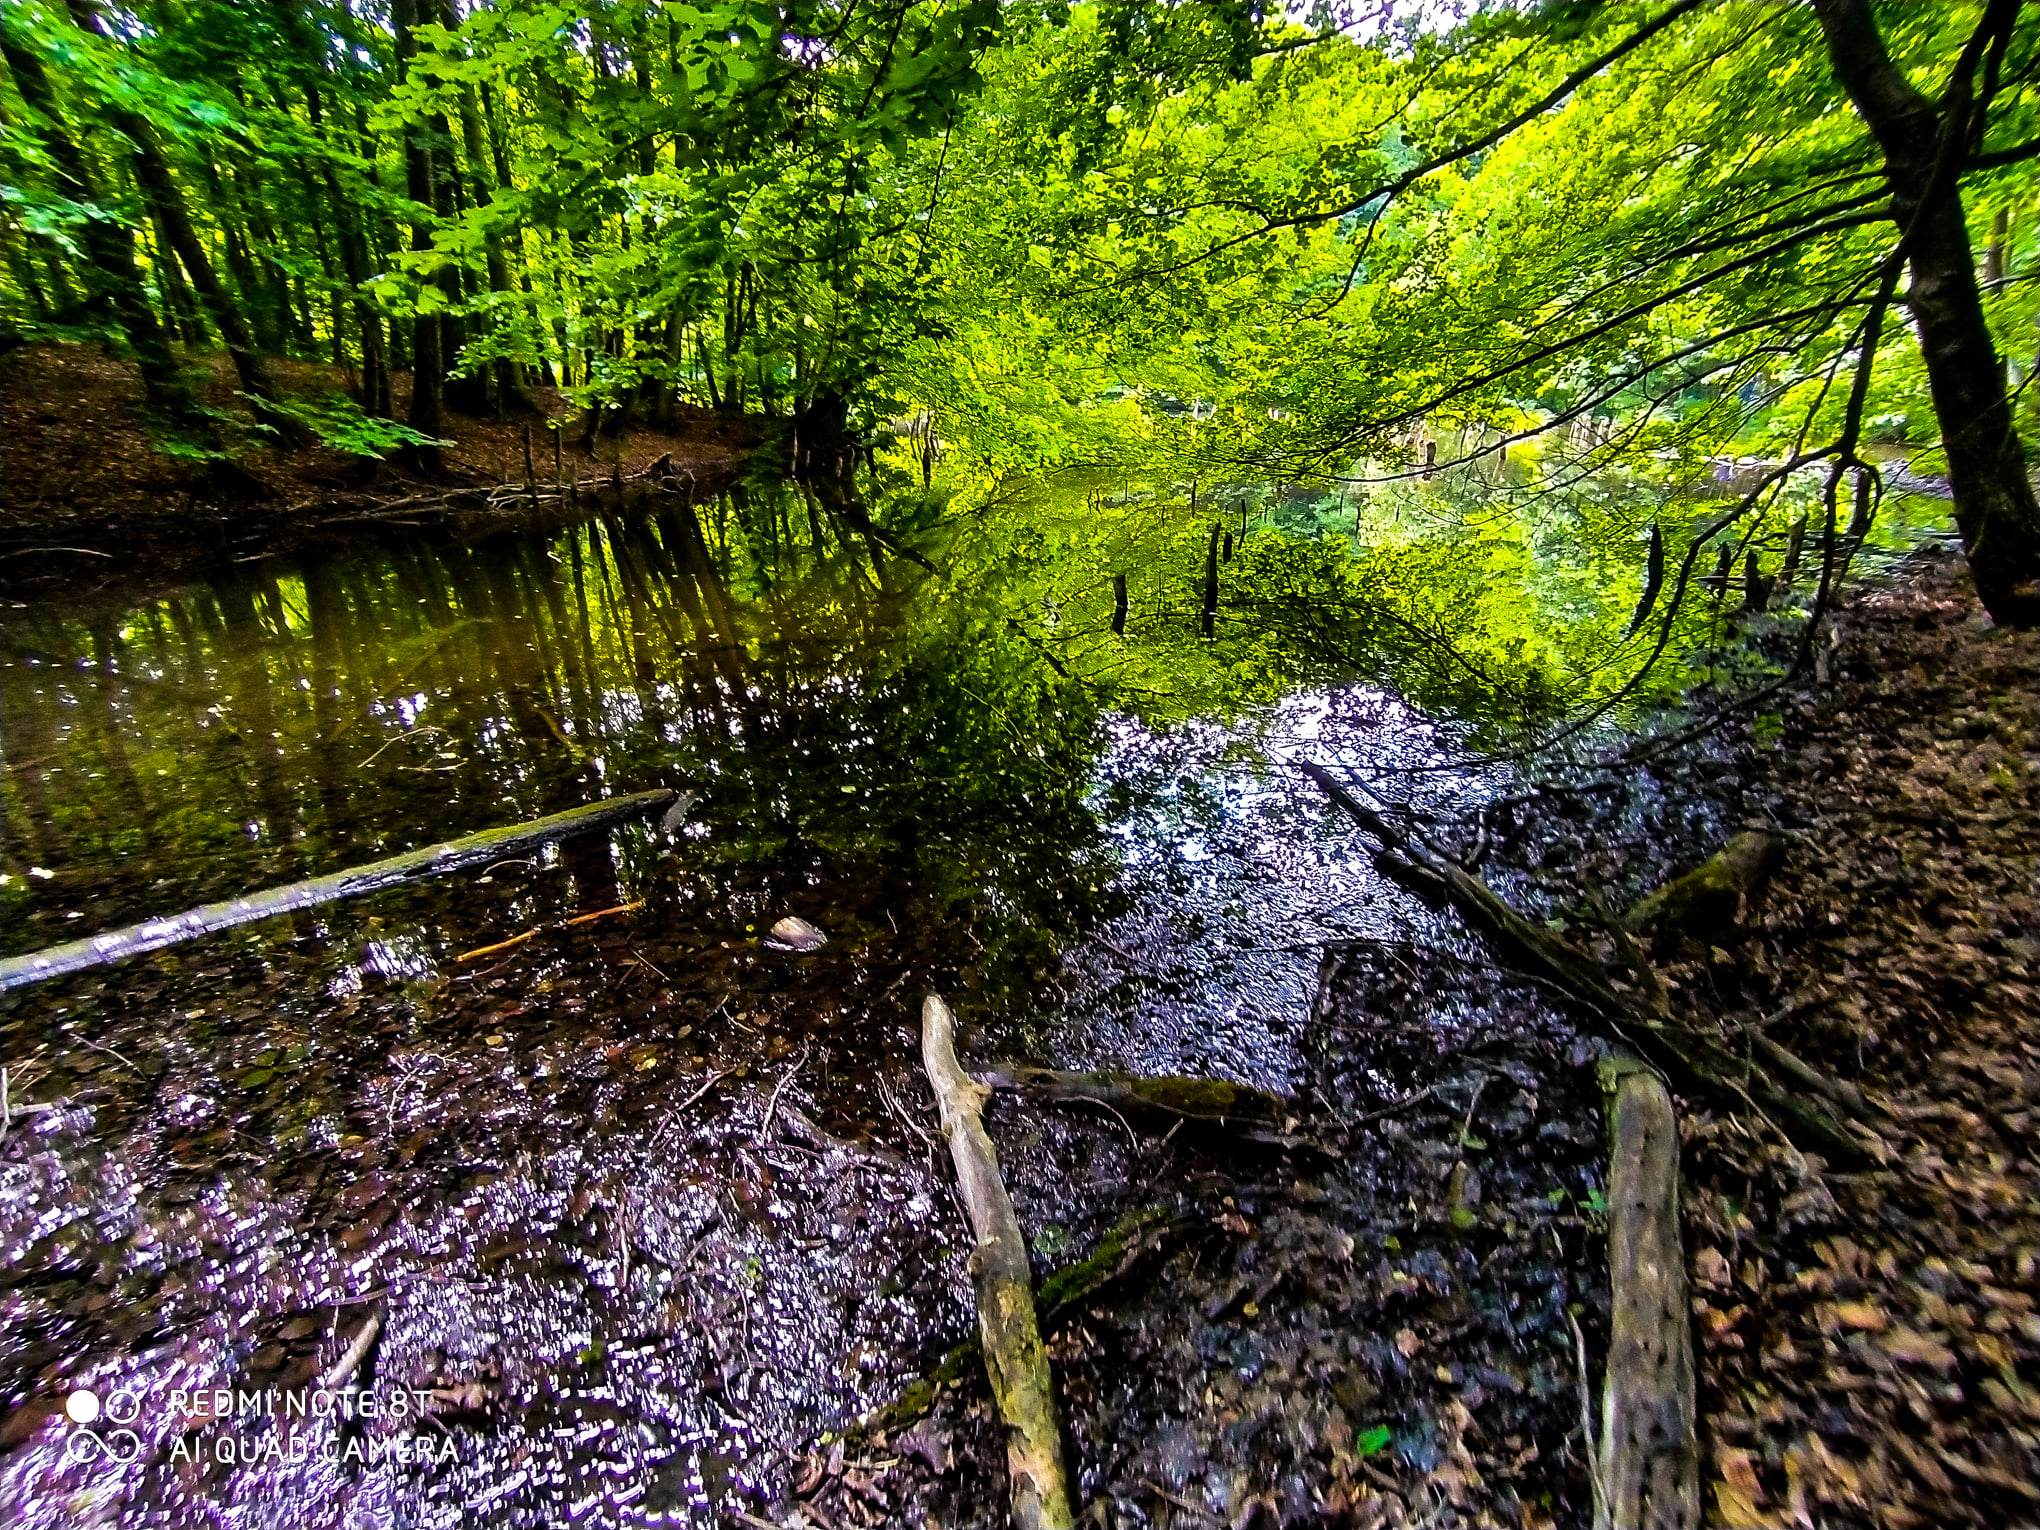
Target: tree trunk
189, 324
112, 284
154, 177
499, 156
1213, 1101
1692, 1060
1995, 508
1208, 622
428, 359
468, 394
508, 385
258, 298
166, 202
375, 367
434, 860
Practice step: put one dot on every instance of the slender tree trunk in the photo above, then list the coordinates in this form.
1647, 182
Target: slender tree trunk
154, 176
190, 322
323, 248
1923, 144
428, 360
1994, 251
166, 202
375, 367
708, 374
654, 350
112, 284
468, 394
277, 311
21, 260
509, 387
23, 270
254, 300
499, 157
1208, 619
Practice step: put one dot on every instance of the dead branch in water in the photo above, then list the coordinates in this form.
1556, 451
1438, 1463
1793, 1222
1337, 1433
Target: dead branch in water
494, 497
432, 861
1646, 1469
342, 1370
10, 1112
1014, 1357
1691, 1059
539, 929
1214, 1101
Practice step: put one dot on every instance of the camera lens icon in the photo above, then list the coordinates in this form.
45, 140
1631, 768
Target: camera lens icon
87, 1410
87, 1407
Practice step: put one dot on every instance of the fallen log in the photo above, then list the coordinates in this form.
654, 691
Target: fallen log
1649, 1459
1015, 1360
1214, 1101
433, 860
1691, 1060
1711, 898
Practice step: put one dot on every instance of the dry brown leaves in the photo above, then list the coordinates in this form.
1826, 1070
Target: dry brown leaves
1870, 1345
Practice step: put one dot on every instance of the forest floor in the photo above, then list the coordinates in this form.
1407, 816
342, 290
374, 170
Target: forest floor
1869, 1342
1378, 1333
86, 495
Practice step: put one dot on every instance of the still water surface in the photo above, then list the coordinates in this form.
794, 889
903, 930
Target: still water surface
641, 1197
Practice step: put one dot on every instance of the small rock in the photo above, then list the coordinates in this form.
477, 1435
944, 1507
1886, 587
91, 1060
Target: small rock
796, 934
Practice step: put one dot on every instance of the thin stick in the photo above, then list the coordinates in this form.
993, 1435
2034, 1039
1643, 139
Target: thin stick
502, 945
418, 732
539, 929
666, 1125
772, 1105
603, 913
1593, 1453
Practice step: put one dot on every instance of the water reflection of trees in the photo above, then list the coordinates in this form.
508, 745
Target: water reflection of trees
861, 738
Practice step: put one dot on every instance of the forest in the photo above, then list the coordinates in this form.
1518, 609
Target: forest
1173, 763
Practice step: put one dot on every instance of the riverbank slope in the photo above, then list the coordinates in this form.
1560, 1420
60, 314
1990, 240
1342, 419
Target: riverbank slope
87, 494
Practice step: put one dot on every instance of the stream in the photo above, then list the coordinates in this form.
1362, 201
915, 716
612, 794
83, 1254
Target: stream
640, 1201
